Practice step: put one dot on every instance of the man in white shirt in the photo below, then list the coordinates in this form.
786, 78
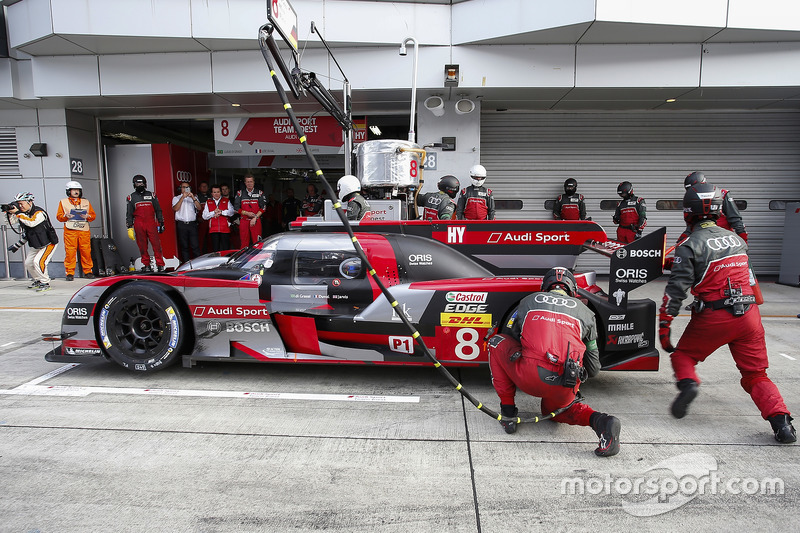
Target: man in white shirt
217, 211
186, 205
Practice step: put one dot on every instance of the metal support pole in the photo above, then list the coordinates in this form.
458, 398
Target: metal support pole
5, 250
348, 132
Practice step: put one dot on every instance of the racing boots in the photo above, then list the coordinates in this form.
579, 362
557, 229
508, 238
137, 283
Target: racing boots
688, 392
782, 426
509, 412
146, 268
607, 428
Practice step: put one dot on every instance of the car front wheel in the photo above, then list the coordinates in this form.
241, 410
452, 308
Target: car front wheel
141, 327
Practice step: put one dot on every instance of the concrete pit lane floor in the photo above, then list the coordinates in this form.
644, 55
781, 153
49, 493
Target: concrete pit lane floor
249, 447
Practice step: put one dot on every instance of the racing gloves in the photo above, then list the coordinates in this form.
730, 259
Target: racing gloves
664, 330
668, 262
131, 234
743, 235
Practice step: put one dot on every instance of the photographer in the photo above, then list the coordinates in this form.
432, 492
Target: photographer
38, 232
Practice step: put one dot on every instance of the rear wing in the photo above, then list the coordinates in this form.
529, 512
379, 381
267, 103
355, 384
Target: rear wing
633, 264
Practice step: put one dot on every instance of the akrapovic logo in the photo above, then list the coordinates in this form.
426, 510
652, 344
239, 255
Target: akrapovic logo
477, 297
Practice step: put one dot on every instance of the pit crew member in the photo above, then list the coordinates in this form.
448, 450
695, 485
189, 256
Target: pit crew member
551, 348
729, 219
349, 190
145, 222
570, 205
712, 262
630, 215
250, 204
440, 205
476, 201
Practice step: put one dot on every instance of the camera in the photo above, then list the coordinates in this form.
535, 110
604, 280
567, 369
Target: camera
9, 206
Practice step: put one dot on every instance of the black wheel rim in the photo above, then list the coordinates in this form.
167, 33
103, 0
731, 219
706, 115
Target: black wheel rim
139, 327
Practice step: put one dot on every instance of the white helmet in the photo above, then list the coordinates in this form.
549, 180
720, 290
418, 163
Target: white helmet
478, 175
24, 196
74, 185
346, 185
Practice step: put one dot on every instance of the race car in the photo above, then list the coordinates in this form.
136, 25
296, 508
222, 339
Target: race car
307, 297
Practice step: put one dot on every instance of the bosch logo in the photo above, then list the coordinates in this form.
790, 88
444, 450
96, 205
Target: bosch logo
631, 273
544, 298
183, 176
622, 253
645, 253
723, 243
238, 327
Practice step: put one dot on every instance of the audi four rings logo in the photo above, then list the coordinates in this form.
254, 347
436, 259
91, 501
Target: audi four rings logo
183, 176
554, 300
722, 243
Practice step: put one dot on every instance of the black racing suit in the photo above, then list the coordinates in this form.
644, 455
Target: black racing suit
730, 219
356, 206
436, 206
475, 203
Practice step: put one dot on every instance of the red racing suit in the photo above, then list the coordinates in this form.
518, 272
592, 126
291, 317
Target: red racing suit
631, 217
475, 203
144, 216
550, 326
437, 206
569, 207
709, 262
255, 202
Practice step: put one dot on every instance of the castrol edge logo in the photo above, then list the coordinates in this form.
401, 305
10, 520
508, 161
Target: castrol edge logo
466, 297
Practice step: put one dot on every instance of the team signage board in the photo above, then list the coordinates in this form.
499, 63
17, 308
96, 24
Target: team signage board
281, 14
635, 264
243, 136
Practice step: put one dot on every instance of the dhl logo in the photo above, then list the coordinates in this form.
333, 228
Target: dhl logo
462, 320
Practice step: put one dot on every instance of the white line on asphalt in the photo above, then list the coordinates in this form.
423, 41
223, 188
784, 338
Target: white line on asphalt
29, 310
33, 388
789, 357
6, 344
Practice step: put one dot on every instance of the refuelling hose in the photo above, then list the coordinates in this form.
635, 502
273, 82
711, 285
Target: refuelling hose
265, 34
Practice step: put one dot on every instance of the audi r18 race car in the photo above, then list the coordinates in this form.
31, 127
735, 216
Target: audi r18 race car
306, 297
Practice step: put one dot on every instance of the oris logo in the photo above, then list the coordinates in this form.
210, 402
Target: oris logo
420, 259
723, 243
544, 298
645, 253
631, 273
183, 176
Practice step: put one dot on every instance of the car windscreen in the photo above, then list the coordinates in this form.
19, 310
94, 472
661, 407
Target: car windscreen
260, 256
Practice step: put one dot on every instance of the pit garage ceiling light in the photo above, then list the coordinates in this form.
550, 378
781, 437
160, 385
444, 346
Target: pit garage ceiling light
375, 130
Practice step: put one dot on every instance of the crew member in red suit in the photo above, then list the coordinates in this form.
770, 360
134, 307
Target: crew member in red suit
476, 201
250, 203
552, 331
217, 211
631, 214
570, 205
145, 222
712, 262
729, 219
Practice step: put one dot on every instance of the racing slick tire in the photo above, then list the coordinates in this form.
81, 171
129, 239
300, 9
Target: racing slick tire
142, 328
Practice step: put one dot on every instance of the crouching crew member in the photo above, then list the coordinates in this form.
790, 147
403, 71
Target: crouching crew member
631, 214
349, 190
76, 212
551, 348
712, 262
440, 205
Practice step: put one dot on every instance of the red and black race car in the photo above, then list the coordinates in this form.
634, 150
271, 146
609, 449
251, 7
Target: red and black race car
306, 297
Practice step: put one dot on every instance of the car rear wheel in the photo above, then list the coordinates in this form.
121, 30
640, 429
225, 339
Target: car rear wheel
141, 327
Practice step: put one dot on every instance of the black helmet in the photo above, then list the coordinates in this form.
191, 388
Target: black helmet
693, 179
139, 179
449, 184
570, 186
625, 189
562, 277
701, 201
